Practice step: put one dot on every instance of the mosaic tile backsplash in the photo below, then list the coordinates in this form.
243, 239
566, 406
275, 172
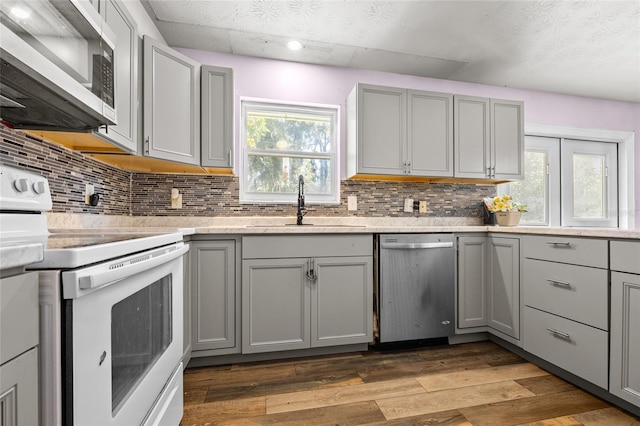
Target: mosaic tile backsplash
149, 194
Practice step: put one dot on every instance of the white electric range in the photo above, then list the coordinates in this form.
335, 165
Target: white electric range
110, 304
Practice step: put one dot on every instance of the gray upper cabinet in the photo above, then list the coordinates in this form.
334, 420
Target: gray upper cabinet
393, 131
376, 130
430, 134
217, 116
488, 138
125, 134
171, 104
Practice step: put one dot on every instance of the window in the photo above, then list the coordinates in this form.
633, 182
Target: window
568, 183
281, 142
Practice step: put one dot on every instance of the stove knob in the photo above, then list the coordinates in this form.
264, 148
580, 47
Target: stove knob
21, 185
39, 187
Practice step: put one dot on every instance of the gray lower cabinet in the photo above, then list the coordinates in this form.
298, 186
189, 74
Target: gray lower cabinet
489, 286
472, 277
171, 113
317, 293
566, 304
19, 338
503, 286
215, 297
217, 116
624, 378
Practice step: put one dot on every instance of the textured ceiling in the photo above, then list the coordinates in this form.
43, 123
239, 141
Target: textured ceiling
578, 47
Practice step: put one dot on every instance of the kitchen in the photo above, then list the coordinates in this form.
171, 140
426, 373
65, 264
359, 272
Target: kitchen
139, 194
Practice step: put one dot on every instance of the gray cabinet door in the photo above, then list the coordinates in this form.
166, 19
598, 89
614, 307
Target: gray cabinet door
430, 134
213, 277
624, 373
171, 104
276, 302
381, 130
503, 286
472, 138
19, 390
217, 116
125, 133
342, 301
507, 139
472, 300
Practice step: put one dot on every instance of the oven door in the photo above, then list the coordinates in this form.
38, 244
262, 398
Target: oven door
125, 337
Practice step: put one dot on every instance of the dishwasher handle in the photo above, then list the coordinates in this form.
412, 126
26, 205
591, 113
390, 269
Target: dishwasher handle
415, 246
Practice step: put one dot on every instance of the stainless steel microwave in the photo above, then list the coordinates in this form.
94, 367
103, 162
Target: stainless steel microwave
57, 65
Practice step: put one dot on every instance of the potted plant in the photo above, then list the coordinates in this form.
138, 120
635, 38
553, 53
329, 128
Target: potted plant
507, 211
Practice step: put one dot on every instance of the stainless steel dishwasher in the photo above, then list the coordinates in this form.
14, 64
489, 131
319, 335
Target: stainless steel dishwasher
417, 286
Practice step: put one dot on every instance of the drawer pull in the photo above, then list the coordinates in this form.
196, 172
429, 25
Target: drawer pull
560, 334
559, 243
557, 283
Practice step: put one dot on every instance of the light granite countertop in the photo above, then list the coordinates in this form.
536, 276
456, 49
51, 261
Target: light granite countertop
313, 225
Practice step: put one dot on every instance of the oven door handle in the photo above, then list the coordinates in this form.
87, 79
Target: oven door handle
130, 266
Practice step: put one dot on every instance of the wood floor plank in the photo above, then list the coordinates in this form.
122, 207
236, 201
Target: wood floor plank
215, 412
359, 413
459, 379
558, 421
420, 368
336, 396
223, 392
536, 408
442, 418
451, 399
606, 417
215, 376
546, 384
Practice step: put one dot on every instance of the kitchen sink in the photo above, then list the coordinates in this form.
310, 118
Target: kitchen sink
280, 225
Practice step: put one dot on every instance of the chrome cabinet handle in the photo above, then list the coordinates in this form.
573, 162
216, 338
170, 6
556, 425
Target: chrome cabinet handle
560, 334
311, 274
557, 283
559, 243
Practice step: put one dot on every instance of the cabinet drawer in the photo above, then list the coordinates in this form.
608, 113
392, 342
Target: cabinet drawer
577, 348
577, 251
285, 246
625, 255
574, 292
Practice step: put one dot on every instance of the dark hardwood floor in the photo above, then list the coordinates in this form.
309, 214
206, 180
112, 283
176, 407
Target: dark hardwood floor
469, 384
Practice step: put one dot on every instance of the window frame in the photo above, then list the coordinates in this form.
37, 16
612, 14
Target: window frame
625, 141
331, 111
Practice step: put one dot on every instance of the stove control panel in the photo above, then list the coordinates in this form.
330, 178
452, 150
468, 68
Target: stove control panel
22, 190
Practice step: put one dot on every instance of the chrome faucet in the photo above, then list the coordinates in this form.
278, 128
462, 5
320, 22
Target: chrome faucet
301, 206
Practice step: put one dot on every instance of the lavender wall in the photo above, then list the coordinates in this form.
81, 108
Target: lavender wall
289, 81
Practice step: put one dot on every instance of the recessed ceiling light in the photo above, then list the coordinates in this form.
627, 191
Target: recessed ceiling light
19, 12
294, 45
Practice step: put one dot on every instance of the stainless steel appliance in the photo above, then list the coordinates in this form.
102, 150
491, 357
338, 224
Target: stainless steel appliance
416, 286
57, 65
22, 237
